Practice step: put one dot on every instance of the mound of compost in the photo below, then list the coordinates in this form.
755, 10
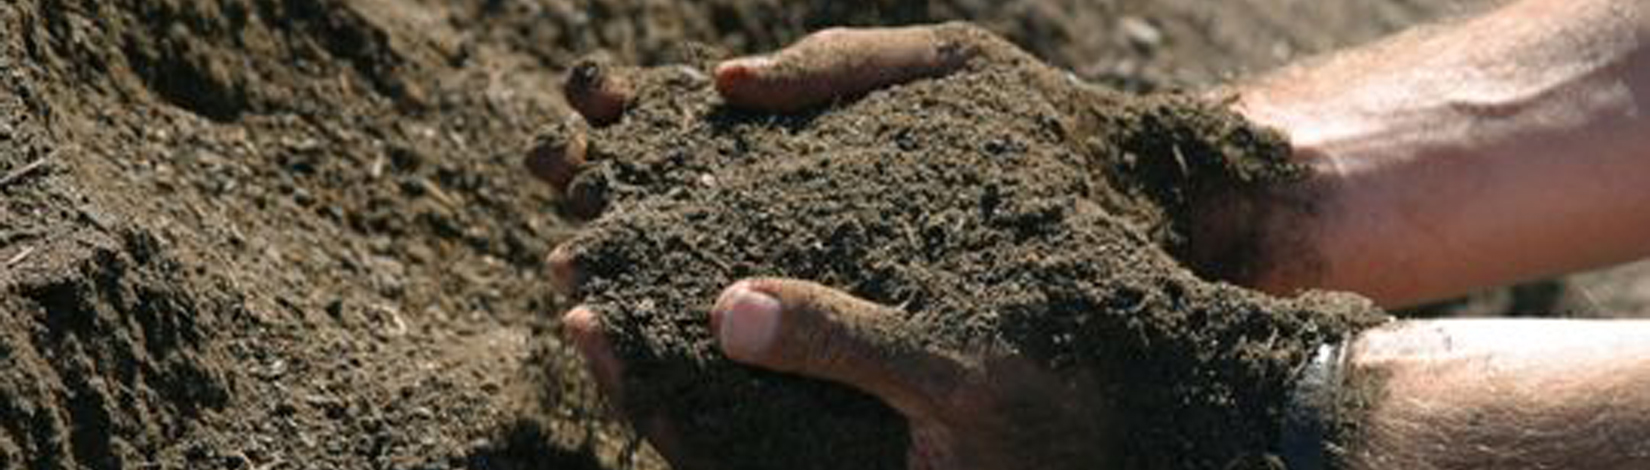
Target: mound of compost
1002, 208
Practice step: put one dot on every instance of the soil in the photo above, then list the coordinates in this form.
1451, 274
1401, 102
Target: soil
284, 234
1005, 208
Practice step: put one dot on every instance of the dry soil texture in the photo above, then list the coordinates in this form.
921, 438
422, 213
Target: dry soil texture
291, 234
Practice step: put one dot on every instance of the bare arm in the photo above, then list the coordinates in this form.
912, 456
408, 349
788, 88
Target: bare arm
1506, 394
1464, 156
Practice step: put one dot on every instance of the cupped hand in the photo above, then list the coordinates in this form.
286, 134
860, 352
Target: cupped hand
824, 67
965, 411
977, 410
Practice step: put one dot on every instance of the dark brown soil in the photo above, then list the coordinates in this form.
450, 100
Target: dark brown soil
1003, 209
283, 234
272, 234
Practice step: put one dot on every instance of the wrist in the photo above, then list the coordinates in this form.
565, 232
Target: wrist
1234, 410
1266, 236
1334, 394
1232, 200
1436, 164
1305, 442
1348, 224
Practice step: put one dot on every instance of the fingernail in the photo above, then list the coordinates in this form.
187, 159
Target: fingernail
563, 270
578, 325
597, 90
557, 153
749, 323
591, 74
741, 69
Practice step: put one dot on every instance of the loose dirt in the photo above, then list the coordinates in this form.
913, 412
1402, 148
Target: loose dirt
284, 234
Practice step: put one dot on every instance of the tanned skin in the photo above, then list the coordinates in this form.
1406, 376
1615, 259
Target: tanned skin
1457, 157
1506, 394
1449, 159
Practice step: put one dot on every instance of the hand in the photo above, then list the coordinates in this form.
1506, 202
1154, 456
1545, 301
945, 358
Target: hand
983, 411
824, 67
965, 410
1244, 237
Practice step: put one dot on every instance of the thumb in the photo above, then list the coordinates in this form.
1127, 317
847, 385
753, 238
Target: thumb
839, 63
808, 329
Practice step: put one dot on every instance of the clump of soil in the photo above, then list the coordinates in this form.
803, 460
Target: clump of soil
1003, 208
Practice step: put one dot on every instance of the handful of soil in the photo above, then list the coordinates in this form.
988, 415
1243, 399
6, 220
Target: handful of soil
1002, 208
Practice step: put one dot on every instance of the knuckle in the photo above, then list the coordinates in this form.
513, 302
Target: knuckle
815, 342
807, 344
833, 353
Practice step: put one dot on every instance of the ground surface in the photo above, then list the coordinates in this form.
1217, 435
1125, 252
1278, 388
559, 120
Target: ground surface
284, 234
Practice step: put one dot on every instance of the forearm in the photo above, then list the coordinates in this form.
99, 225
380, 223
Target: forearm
1509, 395
1464, 156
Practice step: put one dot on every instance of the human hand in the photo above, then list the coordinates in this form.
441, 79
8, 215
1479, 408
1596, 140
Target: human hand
827, 66
965, 410
1240, 235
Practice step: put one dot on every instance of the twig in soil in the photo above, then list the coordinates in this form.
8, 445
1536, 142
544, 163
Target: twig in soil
19, 257
397, 326
23, 171
1180, 158
436, 193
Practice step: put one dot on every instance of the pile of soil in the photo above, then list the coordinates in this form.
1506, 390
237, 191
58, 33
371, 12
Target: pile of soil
1002, 210
276, 234
286, 234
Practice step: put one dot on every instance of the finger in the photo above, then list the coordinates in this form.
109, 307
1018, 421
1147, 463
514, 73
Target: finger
598, 90
809, 329
565, 277
583, 329
835, 64
585, 198
557, 153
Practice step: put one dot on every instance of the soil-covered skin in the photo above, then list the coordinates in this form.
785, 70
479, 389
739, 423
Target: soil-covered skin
285, 234
1002, 210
